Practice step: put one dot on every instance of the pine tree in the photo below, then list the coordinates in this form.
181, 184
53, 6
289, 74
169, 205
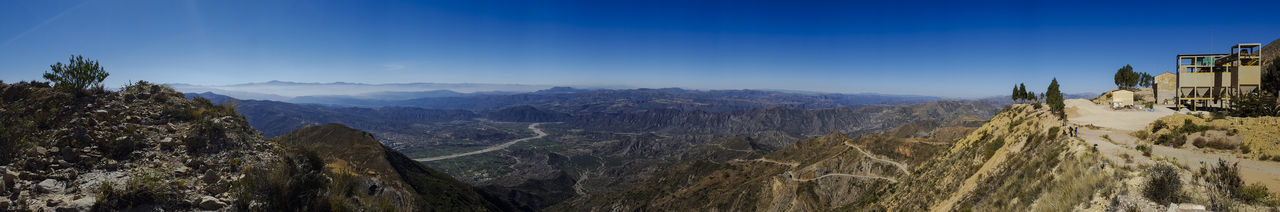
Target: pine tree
1054, 97
77, 75
1015, 94
1022, 91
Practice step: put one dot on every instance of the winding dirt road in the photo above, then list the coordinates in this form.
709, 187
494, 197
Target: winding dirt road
901, 167
533, 127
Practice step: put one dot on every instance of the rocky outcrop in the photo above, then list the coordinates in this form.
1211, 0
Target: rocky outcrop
1270, 51
141, 147
147, 148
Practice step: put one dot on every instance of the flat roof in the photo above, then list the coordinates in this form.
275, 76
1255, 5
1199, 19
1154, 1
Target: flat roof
1199, 55
1246, 44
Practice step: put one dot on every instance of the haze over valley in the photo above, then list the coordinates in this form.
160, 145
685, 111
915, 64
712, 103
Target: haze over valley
639, 106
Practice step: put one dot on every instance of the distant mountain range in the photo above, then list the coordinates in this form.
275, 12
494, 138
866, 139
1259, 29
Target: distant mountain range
555, 104
480, 96
300, 92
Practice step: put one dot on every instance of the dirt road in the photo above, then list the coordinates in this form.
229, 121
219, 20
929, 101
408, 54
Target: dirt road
533, 127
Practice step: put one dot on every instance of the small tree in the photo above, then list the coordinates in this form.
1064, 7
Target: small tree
1032, 96
1016, 95
77, 74
1145, 80
1054, 97
1125, 78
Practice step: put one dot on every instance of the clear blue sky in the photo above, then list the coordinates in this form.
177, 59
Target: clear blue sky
941, 48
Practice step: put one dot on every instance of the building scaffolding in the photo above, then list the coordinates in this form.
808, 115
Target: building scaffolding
1212, 80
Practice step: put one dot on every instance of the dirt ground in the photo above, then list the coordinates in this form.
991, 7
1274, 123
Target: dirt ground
1116, 125
1084, 112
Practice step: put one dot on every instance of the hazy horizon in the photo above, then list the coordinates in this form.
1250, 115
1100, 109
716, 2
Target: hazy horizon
946, 49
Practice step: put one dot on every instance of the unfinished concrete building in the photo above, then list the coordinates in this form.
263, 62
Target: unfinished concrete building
1166, 88
1212, 80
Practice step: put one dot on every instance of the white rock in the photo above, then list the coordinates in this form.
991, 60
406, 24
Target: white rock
100, 111
51, 186
82, 204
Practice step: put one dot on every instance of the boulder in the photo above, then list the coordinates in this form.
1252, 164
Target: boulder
210, 203
51, 186
82, 204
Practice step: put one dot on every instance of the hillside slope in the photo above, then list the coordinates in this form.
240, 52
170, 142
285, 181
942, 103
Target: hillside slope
147, 148
372, 173
1016, 162
144, 147
734, 174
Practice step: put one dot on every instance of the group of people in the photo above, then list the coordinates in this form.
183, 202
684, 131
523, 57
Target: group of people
1072, 131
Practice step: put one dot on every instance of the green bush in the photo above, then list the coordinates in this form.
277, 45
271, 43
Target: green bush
1157, 125
1220, 143
1053, 132
1163, 184
77, 75
1145, 149
1255, 105
1189, 127
991, 147
1224, 178
1171, 139
1254, 193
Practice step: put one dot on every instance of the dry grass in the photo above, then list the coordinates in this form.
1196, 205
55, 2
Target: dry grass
1077, 180
1261, 136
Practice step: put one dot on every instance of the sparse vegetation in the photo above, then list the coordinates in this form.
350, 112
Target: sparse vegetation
992, 146
1157, 125
1216, 143
152, 187
205, 128
1163, 184
296, 184
1145, 149
1255, 105
1171, 139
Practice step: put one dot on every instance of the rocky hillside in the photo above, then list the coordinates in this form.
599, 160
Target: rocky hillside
1270, 51
738, 174
149, 148
144, 147
1015, 162
367, 174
